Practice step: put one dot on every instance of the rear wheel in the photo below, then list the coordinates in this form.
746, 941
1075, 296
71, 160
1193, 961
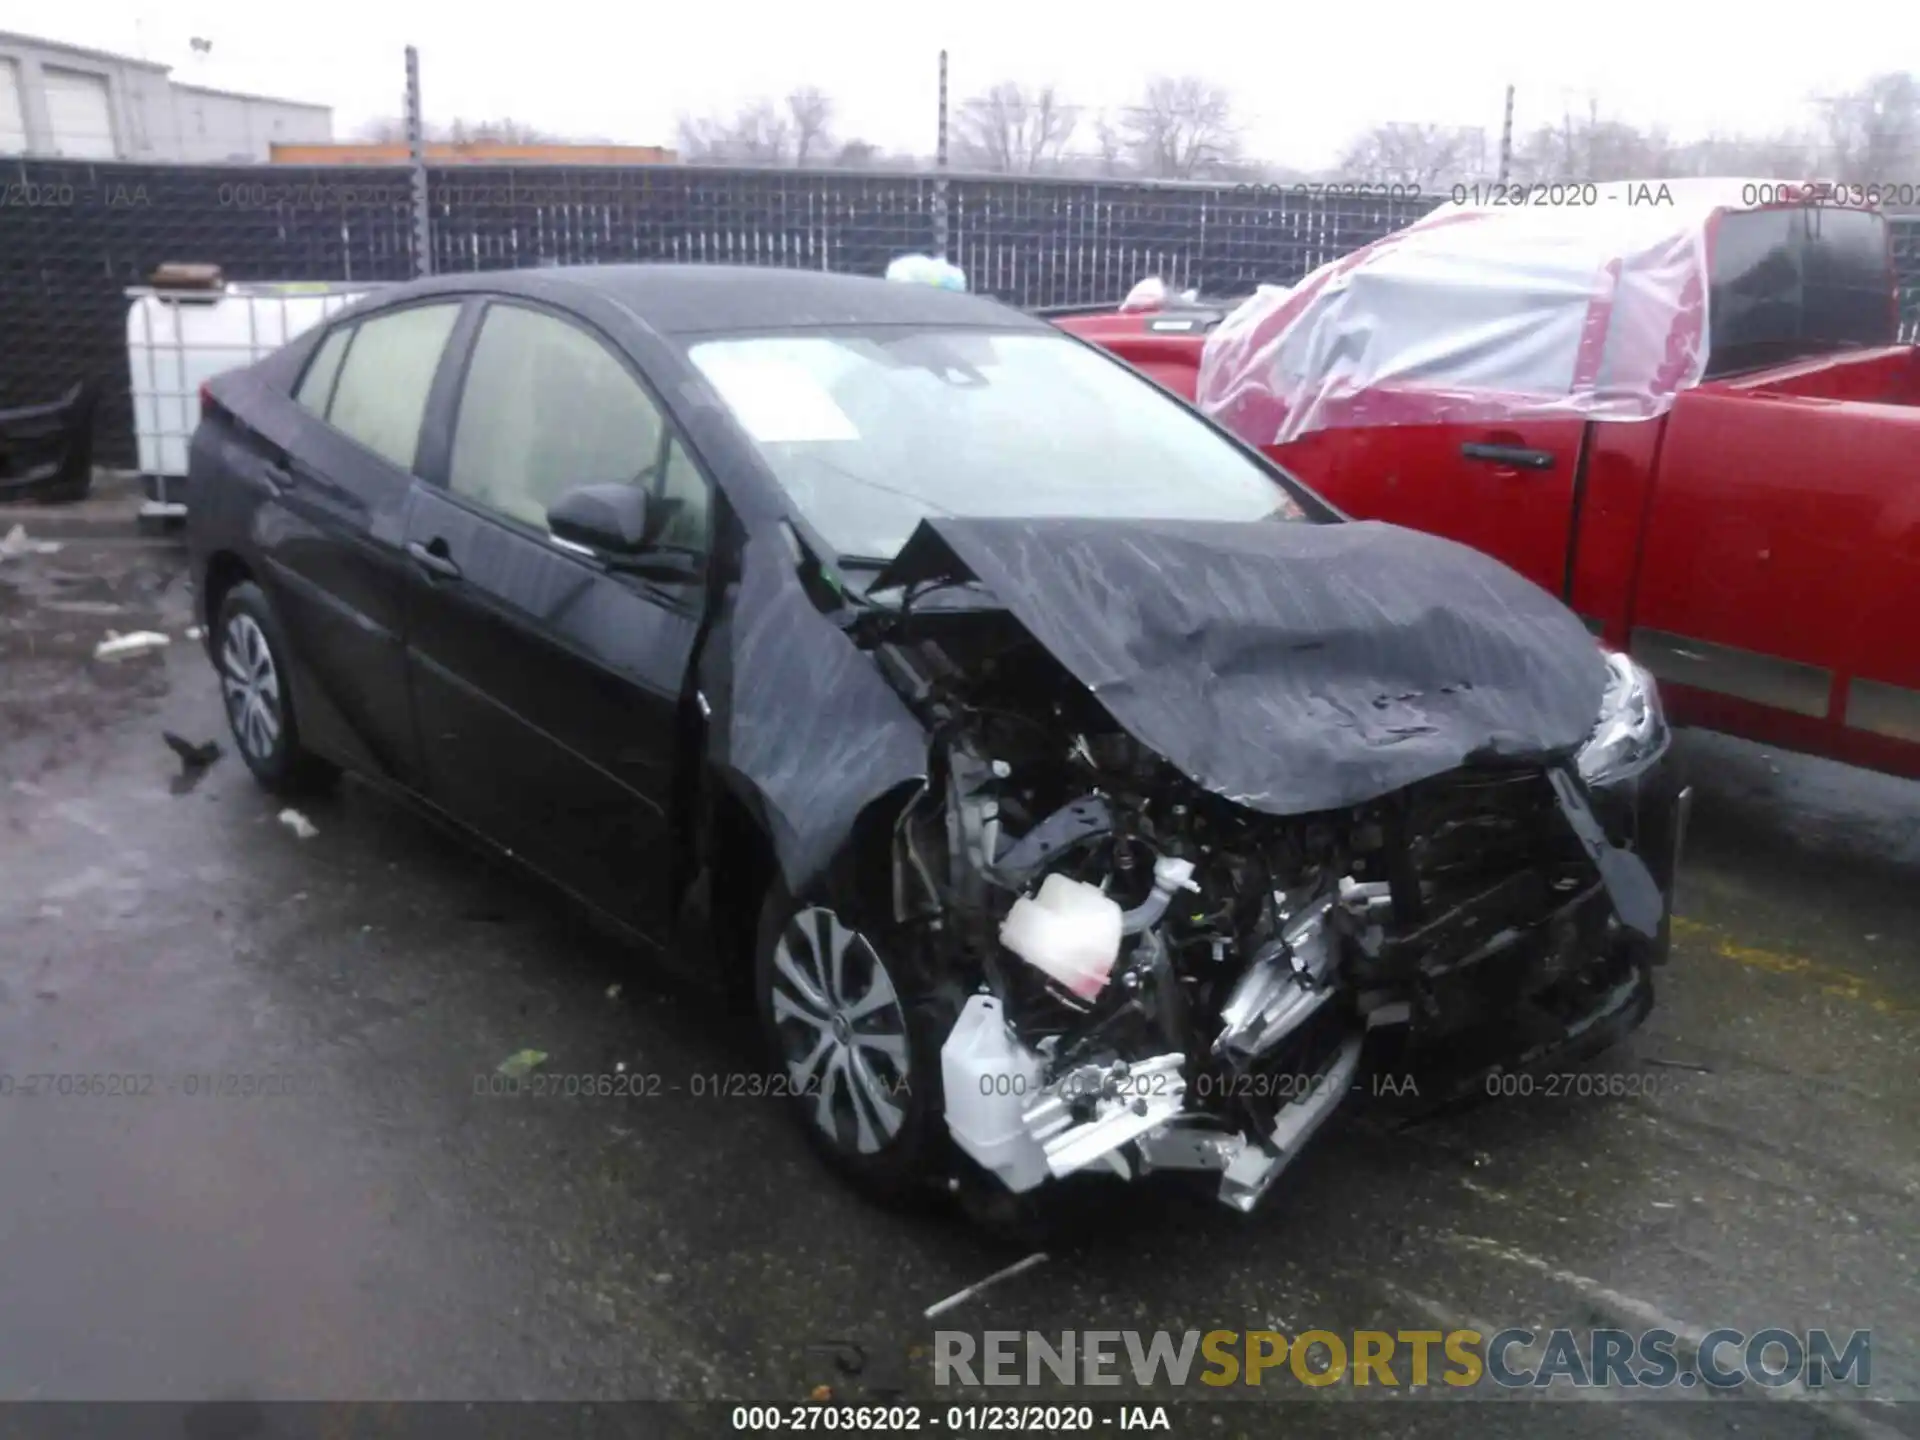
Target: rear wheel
855, 1044
251, 654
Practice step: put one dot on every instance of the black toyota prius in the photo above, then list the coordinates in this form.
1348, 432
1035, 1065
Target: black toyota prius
1076, 791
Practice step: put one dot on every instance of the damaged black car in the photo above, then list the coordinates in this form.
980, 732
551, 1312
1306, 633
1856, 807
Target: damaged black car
1071, 790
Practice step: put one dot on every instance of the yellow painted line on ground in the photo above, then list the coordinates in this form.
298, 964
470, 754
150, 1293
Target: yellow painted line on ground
1831, 979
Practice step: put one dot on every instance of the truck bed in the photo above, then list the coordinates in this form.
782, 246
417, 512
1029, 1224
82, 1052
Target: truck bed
1889, 376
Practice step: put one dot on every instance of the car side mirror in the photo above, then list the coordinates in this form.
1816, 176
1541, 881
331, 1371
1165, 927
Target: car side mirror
622, 524
615, 520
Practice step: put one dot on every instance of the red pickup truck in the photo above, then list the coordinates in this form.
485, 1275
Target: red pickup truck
1691, 423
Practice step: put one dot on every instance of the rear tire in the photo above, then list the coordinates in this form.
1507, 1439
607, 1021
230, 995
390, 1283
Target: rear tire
250, 652
854, 1041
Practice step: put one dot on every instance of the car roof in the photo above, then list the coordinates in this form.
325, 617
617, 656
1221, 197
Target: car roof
719, 299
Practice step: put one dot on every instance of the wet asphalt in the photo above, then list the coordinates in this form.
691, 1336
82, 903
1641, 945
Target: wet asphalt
385, 1231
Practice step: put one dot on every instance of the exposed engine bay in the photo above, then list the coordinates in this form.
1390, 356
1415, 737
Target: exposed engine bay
1158, 978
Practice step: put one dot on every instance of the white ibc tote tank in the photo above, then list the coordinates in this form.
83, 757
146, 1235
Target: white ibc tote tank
189, 326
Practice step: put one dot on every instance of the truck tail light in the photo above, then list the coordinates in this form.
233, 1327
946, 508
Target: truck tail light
206, 400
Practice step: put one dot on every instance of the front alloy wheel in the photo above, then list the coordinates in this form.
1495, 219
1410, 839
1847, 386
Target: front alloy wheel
842, 1032
854, 1040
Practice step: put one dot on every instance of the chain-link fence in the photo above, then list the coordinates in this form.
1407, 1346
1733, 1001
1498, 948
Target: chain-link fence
75, 236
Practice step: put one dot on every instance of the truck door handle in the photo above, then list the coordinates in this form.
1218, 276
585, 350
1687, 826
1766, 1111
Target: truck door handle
277, 475
1518, 457
433, 559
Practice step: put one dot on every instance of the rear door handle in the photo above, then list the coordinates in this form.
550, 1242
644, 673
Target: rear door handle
433, 559
276, 474
1519, 457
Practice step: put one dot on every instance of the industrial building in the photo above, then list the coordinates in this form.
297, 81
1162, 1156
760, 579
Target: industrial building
70, 102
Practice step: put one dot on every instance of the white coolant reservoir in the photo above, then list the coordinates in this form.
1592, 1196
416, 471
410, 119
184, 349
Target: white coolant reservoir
990, 1078
1069, 930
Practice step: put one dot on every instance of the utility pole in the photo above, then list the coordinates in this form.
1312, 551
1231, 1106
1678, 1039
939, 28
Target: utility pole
1506, 139
417, 161
940, 169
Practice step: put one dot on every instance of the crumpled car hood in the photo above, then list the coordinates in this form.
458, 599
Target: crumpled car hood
1290, 667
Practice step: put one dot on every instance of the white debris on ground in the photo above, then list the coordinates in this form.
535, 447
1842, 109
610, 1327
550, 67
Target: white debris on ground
960, 1296
84, 607
298, 823
118, 647
194, 632
17, 542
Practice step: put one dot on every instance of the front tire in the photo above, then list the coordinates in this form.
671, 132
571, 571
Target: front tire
250, 652
855, 1042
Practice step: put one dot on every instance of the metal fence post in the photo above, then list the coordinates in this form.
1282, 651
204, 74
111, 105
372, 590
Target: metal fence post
417, 159
940, 220
1506, 139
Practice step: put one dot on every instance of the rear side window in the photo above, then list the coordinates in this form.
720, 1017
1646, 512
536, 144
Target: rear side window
316, 386
382, 395
1798, 281
546, 409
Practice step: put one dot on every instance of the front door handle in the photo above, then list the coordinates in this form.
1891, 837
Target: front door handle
433, 559
1514, 457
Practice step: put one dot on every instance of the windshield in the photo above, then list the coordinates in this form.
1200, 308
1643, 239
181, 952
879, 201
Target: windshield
871, 432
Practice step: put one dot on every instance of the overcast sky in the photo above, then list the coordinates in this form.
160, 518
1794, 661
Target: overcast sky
1305, 78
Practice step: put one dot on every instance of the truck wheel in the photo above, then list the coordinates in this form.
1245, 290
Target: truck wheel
250, 653
855, 1045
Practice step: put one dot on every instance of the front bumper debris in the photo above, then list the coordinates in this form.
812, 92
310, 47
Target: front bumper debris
1248, 1167
46, 451
1497, 971
1127, 1100
1174, 1139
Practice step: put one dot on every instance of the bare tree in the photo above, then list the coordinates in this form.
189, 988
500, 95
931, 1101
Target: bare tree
1873, 133
810, 112
758, 134
857, 155
391, 130
1786, 156
1012, 130
701, 139
387, 130
1423, 155
1618, 151
1585, 147
1183, 129
795, 131
763, 136
1110, 148
500, 132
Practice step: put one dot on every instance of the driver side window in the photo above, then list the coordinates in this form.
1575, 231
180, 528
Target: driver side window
546, 408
